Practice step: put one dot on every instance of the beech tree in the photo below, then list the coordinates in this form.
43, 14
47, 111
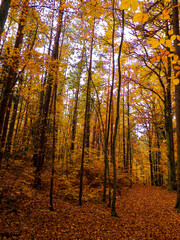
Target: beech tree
177, 93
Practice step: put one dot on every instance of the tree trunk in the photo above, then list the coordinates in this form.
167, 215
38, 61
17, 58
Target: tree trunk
150, 159
124, 137
75, 112
11, 78
5, 127
54, 150
169, 133
113, 209
177, 96
128, 132
177, 99
12, 123
41, 153
4, 8
86, 121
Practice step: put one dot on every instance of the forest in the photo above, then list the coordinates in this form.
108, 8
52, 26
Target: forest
89, 119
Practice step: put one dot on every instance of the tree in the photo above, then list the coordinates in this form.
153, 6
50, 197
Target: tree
12, 71
87, 116
177, 93
113, 210
4, 8
54, 57
158, 62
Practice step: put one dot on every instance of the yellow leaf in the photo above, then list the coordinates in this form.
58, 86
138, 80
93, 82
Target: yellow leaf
178, 73
168, 43
164, 58
172, 49
134, 5
166, 17
173, 37
125, 4
154, 59
166, 14
161, 41
176, 57
178, 37
170, 32
145, 17
155, 43
177, 67
137, 17
175, 81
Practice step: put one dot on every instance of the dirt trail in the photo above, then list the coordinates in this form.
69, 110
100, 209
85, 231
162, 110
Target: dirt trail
144, 213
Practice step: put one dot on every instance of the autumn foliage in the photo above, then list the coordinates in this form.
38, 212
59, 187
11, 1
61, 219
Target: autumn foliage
89, 113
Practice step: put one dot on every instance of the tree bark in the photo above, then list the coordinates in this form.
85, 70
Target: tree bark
177, 97
4, 8
5, 127
54, 150
128, 133
124, 137
113, 209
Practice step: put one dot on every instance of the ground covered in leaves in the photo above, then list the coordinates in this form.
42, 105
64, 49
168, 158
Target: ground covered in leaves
145, 212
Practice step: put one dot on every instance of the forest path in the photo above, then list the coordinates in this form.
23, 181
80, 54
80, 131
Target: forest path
148, 212
145, 212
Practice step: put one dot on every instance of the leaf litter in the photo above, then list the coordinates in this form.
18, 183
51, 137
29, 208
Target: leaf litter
145, 212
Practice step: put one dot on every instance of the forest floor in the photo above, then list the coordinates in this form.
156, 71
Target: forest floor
144, 212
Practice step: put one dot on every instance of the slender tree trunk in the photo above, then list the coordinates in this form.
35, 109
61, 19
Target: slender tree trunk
113, 209
19, 121
124, 137
86, 121
177, 99
5, 127
54, 150
105, 153
169, 133
87, 143
94, 133
111, 130
128, 131
158, 156
12, 125
106, 161
177, 96
150, 159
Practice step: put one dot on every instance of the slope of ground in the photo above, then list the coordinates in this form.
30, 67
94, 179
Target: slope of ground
145, 212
